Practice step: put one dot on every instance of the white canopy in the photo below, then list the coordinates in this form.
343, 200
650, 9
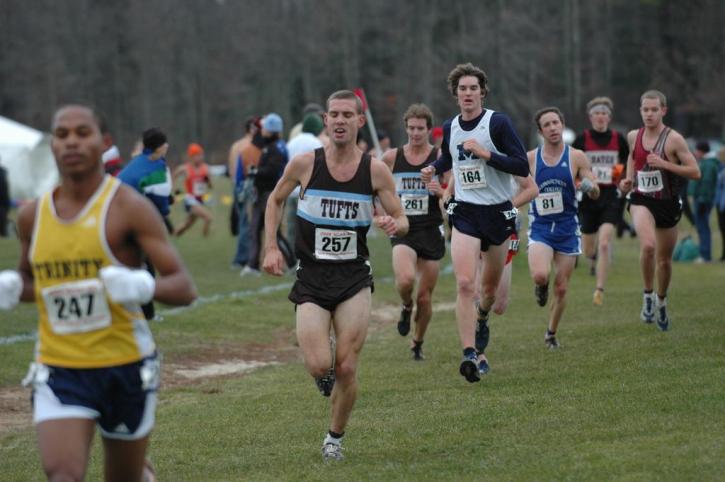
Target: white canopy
25, 153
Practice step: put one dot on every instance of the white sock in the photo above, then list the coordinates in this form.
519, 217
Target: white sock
329, 439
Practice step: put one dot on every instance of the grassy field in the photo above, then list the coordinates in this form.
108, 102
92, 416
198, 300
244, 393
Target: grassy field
620, 400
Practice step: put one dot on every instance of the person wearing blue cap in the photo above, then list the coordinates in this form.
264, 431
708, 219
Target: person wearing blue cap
271, 165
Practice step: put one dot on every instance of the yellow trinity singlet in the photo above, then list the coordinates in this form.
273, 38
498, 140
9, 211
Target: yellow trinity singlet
79, 326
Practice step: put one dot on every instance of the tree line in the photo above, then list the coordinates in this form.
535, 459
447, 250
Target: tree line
198, 68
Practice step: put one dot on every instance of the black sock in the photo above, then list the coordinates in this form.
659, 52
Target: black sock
482, 314
335, 434
468, 351
550, 333
417, 344
648, 292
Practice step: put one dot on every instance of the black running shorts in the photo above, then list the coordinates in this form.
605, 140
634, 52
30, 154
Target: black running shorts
605, 209
328, 284
428, 242
667, 212
491, 224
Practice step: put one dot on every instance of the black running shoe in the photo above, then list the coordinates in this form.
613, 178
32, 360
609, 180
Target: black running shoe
542, 294
482, 334
469, 369
417, 350
325, 384
551, 342
404, 321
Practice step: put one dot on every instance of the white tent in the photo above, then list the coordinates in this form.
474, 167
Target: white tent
25, 154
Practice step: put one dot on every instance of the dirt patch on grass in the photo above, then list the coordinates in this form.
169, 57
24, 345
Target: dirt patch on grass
228, 360
210, 361
14, 409
384, 315
218, 361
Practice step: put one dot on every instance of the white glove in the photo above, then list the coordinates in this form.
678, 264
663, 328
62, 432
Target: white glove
11, 287
586, 185
125, 285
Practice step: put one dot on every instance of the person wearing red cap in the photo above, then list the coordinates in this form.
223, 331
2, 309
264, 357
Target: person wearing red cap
436, 135
196, 184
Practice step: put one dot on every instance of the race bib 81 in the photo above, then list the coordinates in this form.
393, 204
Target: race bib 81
549, 203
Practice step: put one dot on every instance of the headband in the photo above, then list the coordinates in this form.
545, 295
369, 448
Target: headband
596, 108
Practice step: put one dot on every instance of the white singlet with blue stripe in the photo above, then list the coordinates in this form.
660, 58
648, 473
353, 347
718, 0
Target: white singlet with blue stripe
476, 181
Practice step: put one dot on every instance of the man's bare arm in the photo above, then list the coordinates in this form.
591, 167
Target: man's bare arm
395, 223
528, 190
26, 220
687, 166
584, 171
174, 285
293, 175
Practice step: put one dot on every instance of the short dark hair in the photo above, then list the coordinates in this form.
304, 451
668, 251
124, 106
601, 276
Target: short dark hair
153, 138
250, 122
97, 114
345, 95
702, 146
419, 111
539, 113
463, 70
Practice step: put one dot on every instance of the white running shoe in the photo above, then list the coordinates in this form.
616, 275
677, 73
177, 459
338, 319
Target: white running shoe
247, 271
332, 451
648, 308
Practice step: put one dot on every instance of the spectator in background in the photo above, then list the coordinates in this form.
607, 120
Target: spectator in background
310, 108
436, 135
308, 140
4, 201
271, 165
703, 196
384, 141
148, 174
720, 200
242, 197
137, 148
685, 189
362, 144
112, 162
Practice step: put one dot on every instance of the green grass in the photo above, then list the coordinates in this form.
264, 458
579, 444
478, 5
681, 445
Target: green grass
620, 400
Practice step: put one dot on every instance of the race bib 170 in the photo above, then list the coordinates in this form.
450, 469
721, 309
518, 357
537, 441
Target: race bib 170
649, 181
